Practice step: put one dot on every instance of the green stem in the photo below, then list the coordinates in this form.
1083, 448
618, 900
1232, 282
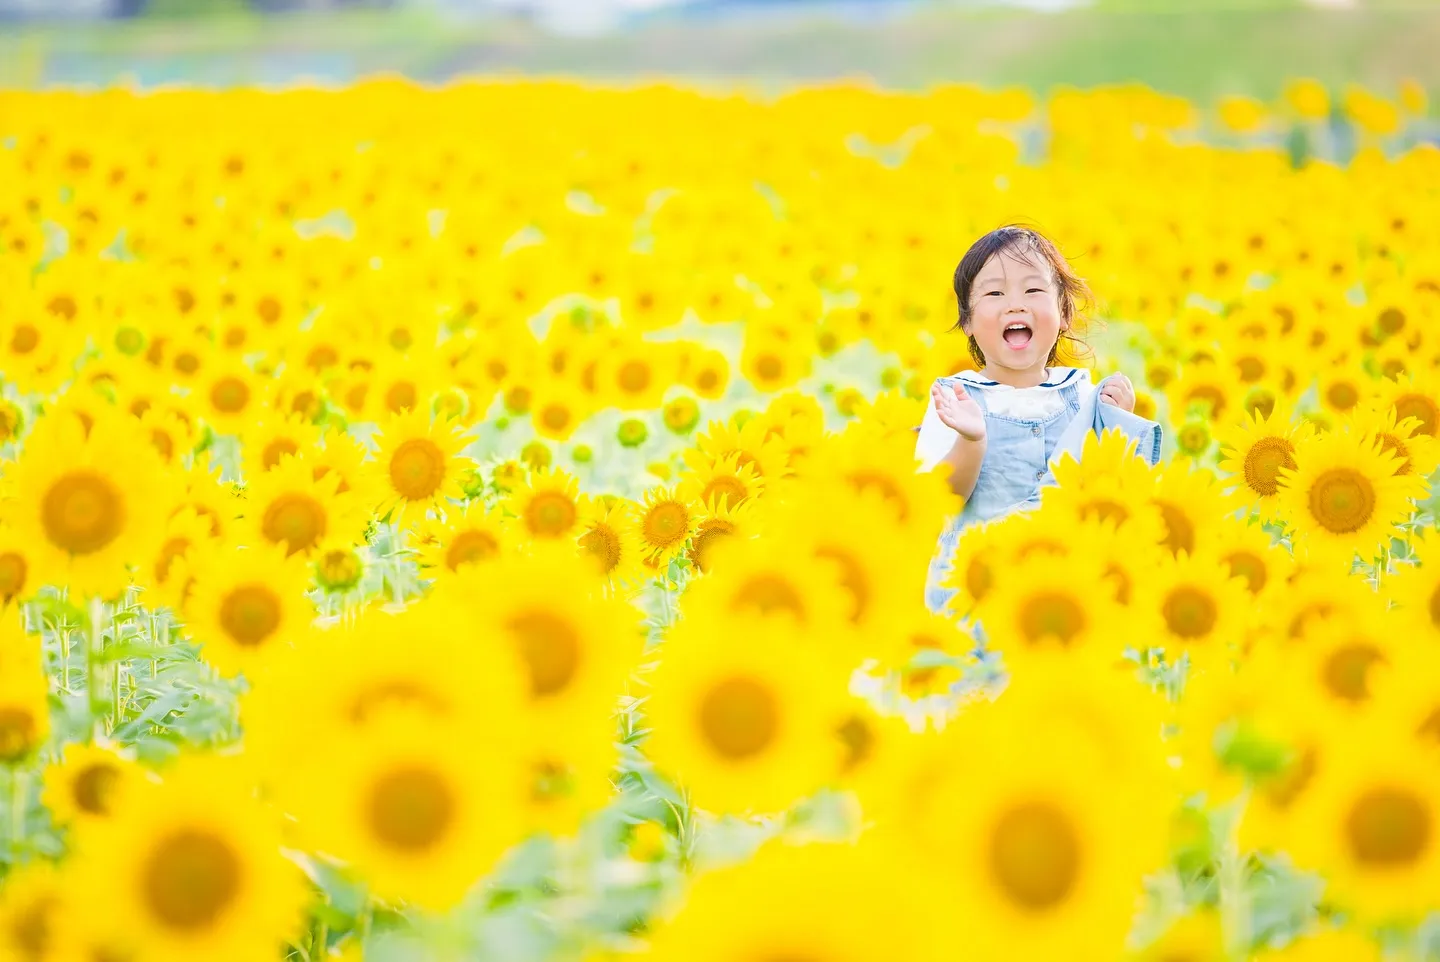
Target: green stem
18, 801
95, 691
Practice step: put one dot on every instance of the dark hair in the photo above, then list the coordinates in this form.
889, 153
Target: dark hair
1075, 296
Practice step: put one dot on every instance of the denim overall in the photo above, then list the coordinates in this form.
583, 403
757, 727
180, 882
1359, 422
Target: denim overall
1015, 467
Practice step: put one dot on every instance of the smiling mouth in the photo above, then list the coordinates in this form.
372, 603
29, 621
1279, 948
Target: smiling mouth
1017, 335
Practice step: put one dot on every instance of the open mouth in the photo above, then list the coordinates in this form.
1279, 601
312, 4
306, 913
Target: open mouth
1017, 335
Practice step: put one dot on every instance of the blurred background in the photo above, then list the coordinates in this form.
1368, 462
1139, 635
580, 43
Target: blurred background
1198, 48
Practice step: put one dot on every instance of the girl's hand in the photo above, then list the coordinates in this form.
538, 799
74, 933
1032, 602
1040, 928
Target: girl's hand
1119, 392
959, 412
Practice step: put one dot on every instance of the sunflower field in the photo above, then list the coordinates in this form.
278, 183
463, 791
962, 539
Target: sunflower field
482, 522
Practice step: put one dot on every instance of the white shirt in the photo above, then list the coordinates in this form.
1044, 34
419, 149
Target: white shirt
1037, 403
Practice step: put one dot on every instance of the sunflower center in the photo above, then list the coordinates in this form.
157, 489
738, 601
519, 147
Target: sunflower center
1050, 614
1342, 500
1035, 855
417, 469
1247, 565
979, 578
275, 450
93, 788
707, 380
411, 809
728, 487
666, 524
1179, 530
550, 648
633, 377
1435, 606
739, 718
250, 614
1422, 409
710, 531
858, 737
1388, 828
768, 367
470, 546
13, 571
394, 693
400, 397
550, 514
1190, 613
82, 512
603, 544
163, 443
1264, 461
768, 593
229, 395
1342, 396
296, 519
1347, 670
24, 339
32, 929
555, 417
190, 878
169, 551
17, 733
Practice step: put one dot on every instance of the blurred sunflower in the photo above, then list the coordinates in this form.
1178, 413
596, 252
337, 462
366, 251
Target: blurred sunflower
742, 717
418, 466
190, 867
547, 504
245, 604
1258, 448
1344, 494
88, 782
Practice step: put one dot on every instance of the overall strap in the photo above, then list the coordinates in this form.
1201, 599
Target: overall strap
977, 394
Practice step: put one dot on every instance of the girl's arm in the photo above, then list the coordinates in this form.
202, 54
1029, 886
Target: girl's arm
953, 434
964, 460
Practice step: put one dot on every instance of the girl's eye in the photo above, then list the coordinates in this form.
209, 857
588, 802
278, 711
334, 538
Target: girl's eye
993, 293
1036, 290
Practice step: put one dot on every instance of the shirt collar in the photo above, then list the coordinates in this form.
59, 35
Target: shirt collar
1059, 377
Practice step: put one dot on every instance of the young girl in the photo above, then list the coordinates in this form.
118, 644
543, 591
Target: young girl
999, 428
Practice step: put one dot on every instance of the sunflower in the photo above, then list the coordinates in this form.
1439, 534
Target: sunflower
33, 923
718, 479
1344, 494
884, 470
747, 576
24, 711
860, 537
749, 442
608, 537
1368, 822
1349, 665
742, 717
191, 867
1110, 458
547, 504
1258, 448
577, 646
1252, 554
86, 520
216, 501
288, 506
89, 782
556, 412
343, 455
1046, 857
1054, 604
1195, 937
418, 467
1196, 606
1189, 501
228, 394
245, 604
707, 373
267, 442
1415, 396
407, 807
338, 565
714, 524
473, 534
824, 902
664, 524
1419, 454
17, 568
349, 681
1105, 499
172, 437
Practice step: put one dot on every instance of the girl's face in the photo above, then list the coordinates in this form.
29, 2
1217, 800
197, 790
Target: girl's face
1015, 316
